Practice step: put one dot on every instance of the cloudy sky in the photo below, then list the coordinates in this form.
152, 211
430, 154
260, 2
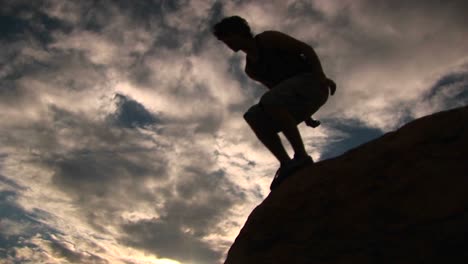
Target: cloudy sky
121, 130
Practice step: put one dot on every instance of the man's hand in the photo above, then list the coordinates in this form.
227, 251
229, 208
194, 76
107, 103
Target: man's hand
331, 85
312, 122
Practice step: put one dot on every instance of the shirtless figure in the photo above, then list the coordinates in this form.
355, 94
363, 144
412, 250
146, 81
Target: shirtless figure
298, 87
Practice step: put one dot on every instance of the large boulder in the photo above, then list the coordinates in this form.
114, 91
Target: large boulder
402, 198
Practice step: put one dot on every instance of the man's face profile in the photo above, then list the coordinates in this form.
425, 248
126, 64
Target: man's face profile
233, 41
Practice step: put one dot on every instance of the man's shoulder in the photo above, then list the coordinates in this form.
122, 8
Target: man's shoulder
275, 37
283, 41
269, 34
270, 38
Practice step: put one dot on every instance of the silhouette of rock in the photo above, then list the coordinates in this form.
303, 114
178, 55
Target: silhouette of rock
401, 198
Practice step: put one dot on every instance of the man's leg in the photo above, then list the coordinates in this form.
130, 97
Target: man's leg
289, 128
258, 121
293, 100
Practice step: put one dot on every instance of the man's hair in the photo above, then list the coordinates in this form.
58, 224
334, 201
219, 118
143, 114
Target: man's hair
232, 25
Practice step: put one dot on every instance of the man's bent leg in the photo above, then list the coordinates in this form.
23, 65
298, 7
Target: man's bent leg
265, 132
288, 126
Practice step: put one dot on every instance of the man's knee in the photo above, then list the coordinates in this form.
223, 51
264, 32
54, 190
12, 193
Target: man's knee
252, 115
258, 120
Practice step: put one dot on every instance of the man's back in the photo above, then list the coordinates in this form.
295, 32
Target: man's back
280, 57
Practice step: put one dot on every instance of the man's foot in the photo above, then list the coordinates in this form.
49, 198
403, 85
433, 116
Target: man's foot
287, 169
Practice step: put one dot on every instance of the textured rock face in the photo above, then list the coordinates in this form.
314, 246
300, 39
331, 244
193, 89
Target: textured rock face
402, 198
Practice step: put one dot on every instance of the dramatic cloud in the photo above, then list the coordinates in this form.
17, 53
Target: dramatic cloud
121, 130
131, 114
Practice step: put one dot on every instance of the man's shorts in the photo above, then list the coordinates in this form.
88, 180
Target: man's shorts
302, 95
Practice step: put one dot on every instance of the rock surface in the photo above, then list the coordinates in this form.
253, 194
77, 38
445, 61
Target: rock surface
402, 198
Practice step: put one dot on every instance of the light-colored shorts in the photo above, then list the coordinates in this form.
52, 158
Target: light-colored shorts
302, 95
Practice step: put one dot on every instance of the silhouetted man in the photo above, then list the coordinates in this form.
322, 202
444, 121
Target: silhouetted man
298, 87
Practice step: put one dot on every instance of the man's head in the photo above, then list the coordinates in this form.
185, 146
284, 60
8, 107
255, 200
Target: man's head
232, 31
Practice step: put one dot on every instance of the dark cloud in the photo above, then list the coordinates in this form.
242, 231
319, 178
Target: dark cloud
95, 16
208, 113
415, 8
306, 10
140, 73
28, 226
352, 133
108, 171
25, 19
153, 15
198, 182
449, 91
108, 166
214, 15
193, 205
105, 180
209, 123
61, 249
166, 239
11, 183
201, 201
26, 61
9, 207
91, 136
102, 174
131, 114
11, 26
